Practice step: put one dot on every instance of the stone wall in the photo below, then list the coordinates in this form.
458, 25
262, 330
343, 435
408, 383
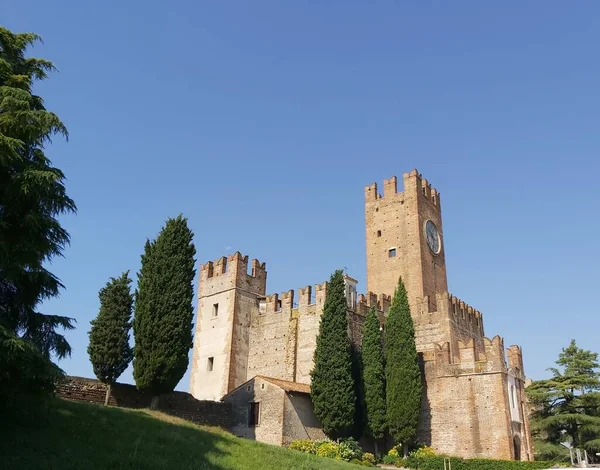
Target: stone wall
300, 421
271, 398
179, 404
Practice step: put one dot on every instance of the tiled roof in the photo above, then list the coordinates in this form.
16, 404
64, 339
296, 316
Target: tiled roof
286, 385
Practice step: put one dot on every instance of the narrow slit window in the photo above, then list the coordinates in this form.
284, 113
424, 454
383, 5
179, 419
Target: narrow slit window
254, 418
210, 364
215, 312
392, 252
378, 233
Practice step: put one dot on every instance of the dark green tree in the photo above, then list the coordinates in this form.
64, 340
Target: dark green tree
374, 378
360, 413
162, 325
566, 407
332, 385
404, 385
109, 349
32, 196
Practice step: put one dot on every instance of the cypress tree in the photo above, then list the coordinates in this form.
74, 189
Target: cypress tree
360, 413
332, 385
109, 349
162, 326
404, 386
374, 377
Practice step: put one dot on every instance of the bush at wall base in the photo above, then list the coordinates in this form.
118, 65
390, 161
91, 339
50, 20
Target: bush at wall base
436, 462
346, 449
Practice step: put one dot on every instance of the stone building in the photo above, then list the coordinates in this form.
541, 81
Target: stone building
474, 400
273, 411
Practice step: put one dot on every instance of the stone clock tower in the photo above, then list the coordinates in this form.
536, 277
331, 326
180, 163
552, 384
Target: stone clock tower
405, 239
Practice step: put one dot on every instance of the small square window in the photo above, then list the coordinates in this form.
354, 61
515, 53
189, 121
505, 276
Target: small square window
215, 310
254, 415
211, 363
392, 252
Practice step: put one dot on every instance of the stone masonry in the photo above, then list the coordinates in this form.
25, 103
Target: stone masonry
474, 403
179, 404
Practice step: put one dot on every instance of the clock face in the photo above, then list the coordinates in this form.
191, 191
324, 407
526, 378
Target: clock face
433, 237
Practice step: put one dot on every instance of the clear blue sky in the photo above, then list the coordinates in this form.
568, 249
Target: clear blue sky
262, 121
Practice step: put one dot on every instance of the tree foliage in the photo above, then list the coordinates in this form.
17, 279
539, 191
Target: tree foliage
109, 349
162, 324
374, 376
32, 196
332, 385
27, 376
566, 407
404, 386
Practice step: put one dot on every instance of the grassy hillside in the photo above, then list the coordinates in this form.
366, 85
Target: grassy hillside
84, 436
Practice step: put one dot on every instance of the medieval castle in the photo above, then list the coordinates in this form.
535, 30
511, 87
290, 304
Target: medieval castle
256, 350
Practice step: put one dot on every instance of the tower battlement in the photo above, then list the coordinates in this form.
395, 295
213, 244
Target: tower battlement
469, 358
236, 262
412, 181
381, 303
462, 315
230, 272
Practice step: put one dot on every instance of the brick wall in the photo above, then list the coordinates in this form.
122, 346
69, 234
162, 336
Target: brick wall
179, 404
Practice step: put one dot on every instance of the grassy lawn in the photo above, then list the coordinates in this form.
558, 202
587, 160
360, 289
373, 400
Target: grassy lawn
85, 436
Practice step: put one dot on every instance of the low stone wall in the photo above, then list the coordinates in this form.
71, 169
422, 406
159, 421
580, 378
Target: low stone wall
180, 404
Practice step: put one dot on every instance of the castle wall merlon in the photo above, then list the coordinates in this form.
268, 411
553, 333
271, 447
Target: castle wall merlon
515, 358
384, 302
206, 270
467, 353
280, 303
321, 293
305, 297
494, 352
371, 194
390, 187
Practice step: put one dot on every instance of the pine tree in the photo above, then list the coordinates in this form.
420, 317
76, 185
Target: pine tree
332, 385
162, 324
567, 406
404, 386
109, 349
32, 196
374, 377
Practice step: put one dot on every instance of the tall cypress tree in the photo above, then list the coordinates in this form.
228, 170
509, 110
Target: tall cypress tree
374, 377
162, 325
109, 349
404, 386
332, 385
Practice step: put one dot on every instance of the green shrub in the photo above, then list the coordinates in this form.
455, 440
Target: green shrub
435, 462
349, 450
327, 449
390, 459
424, 451
370, 458
303, 445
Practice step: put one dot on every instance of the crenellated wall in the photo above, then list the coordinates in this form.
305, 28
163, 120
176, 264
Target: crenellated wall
469, 390
283, 338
